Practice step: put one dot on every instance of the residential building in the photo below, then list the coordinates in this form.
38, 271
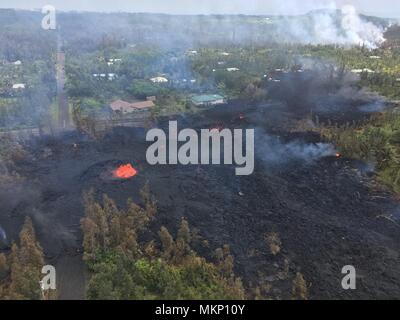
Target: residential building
208, 100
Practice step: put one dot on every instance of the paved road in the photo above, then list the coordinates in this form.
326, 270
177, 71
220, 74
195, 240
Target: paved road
63, 112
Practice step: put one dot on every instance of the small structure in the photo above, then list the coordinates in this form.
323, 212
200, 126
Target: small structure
18, 86
159, 80
208, 100
362, 70
109, 76
232, 69
123, 107
268, 21
151, 98
17, 63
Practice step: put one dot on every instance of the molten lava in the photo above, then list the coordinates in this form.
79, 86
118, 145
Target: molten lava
125, 172
218, 127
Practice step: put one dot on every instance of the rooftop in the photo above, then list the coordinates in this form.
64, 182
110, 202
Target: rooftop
204, 98
123, 106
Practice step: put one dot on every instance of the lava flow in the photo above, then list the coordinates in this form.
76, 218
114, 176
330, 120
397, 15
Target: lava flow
125, 172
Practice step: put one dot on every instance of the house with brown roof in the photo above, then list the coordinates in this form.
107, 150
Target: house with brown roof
123, 107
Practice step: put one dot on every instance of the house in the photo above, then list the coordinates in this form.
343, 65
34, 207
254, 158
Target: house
368, 70
208, 100
109, 76
17, 63
18, 86
111, 62
362, 70
232, 69
123, 107
159, 80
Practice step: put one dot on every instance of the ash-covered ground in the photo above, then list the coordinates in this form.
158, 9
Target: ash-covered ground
327, 210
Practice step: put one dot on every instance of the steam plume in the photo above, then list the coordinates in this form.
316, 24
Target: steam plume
343, 27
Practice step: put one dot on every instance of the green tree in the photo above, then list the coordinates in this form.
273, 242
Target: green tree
122, 267
144, 88
26, 262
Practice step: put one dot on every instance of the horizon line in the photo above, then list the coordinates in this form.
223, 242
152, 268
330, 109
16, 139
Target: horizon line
199, 14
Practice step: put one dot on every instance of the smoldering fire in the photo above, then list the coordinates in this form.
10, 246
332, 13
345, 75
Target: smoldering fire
193, 153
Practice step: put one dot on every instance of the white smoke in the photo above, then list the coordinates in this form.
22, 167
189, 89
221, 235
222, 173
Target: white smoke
343, 27
3, 235
358, 31
274, 152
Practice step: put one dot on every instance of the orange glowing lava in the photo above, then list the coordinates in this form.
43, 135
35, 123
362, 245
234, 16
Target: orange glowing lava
218, 127
125, 172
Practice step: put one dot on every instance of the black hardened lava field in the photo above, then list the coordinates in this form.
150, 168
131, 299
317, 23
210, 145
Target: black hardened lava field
326, 208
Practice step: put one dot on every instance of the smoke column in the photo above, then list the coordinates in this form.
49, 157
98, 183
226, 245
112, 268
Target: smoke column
344, 27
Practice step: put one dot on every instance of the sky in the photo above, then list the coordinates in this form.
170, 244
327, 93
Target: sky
384, 8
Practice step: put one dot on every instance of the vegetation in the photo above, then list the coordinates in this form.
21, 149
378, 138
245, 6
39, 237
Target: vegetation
11, 152
145, 88
380, 68
274, 243
125, 267
20, 271
377, 143
300, 289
